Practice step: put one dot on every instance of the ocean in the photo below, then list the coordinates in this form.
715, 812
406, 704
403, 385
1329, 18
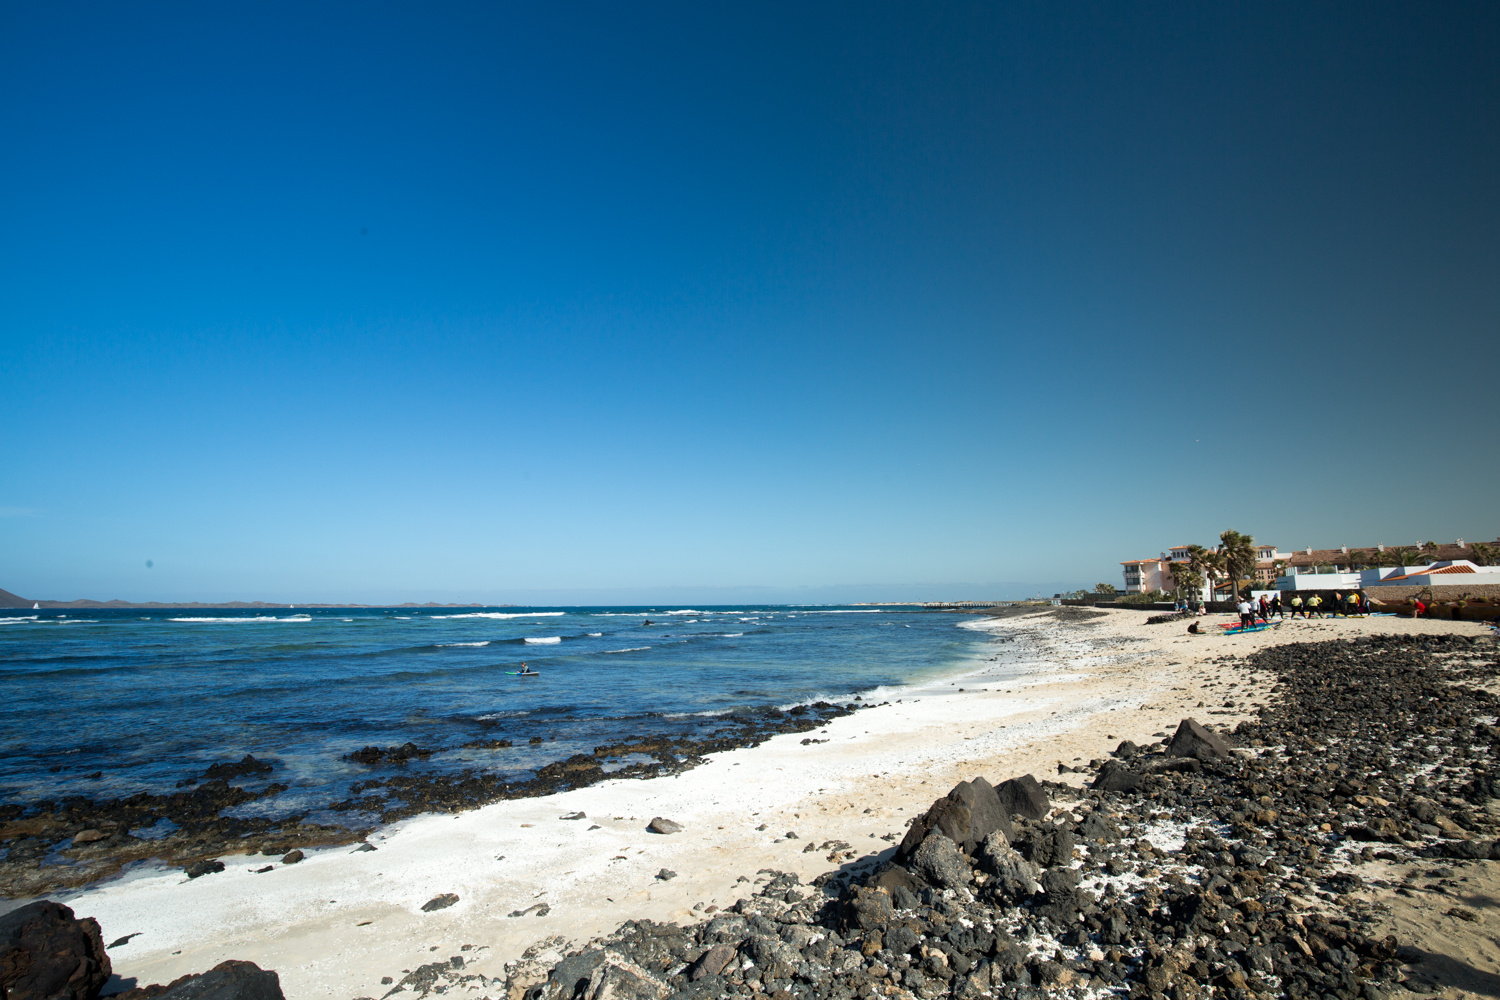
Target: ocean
107, 703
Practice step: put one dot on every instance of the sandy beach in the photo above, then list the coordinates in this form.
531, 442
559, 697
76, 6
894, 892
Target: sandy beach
1061, 686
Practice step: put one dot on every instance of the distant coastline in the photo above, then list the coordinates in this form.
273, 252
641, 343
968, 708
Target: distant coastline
10, 601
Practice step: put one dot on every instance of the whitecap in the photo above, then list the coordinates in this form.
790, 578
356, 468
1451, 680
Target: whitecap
632, 649
503, 614
543, 641
485, 643
732, 635
596, 634
259, 618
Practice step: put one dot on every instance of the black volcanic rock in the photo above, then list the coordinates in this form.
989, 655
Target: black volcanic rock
48, 954
1023, 796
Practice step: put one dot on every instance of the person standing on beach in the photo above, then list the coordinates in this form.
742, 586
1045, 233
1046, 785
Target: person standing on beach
1247, 613
1276, 606
1296, 605
1265, 608
1315, 606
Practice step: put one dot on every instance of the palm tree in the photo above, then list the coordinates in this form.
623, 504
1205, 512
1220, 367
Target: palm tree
1196, 567
1238, 552
1187, 576
1212, 562
1429, 550
1407, 557
1484, 555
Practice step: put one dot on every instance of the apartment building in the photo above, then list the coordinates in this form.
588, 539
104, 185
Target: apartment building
1145, 575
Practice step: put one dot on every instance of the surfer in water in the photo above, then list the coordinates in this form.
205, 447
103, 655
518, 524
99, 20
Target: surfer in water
525, 670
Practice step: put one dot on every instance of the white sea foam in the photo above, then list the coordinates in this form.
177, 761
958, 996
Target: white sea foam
732, 635
258, 618
596, 634
632, 649
485, 643
505, 614
547, 640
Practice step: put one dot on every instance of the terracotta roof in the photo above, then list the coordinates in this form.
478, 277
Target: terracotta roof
1328, 557
1138, 562
1431, 572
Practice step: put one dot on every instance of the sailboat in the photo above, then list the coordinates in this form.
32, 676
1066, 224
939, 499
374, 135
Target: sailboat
36, 607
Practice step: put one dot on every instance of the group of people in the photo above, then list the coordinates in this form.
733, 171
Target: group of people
1352, 603
1264, 609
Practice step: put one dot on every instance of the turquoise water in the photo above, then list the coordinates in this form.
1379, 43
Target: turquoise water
148, 699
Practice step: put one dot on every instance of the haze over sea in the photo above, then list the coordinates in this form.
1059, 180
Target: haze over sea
148, 699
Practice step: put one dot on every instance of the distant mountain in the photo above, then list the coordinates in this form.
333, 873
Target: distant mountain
9, 600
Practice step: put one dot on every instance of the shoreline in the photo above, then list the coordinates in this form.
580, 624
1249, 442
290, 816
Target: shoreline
336, 922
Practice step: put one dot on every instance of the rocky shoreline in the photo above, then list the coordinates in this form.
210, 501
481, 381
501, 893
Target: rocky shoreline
1224, 864
64, 844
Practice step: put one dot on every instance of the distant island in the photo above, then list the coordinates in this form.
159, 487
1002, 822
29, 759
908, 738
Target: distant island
9, 600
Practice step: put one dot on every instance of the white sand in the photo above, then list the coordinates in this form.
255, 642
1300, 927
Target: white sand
336, 923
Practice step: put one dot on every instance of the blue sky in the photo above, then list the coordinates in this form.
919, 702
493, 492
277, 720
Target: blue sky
486, 301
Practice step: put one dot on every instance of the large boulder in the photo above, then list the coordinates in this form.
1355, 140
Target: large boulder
905, 888
1116, 777
1050, 846
1192, 740
870, 909
937, 861
231, 980
1023, 796
48, 954
1013, 875
571, 973
966, 815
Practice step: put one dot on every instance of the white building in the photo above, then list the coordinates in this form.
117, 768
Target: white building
1449, 573
1145, 575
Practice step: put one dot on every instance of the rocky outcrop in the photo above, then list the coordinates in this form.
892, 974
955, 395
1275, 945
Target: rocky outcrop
1192, 740
231, 980
1023, 796
48, 954
966, 815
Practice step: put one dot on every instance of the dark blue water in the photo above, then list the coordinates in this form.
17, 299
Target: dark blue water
149, 698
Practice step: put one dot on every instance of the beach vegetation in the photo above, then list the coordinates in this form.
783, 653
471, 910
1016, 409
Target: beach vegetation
1106, 588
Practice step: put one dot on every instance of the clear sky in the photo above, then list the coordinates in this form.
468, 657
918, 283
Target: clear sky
518, 301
